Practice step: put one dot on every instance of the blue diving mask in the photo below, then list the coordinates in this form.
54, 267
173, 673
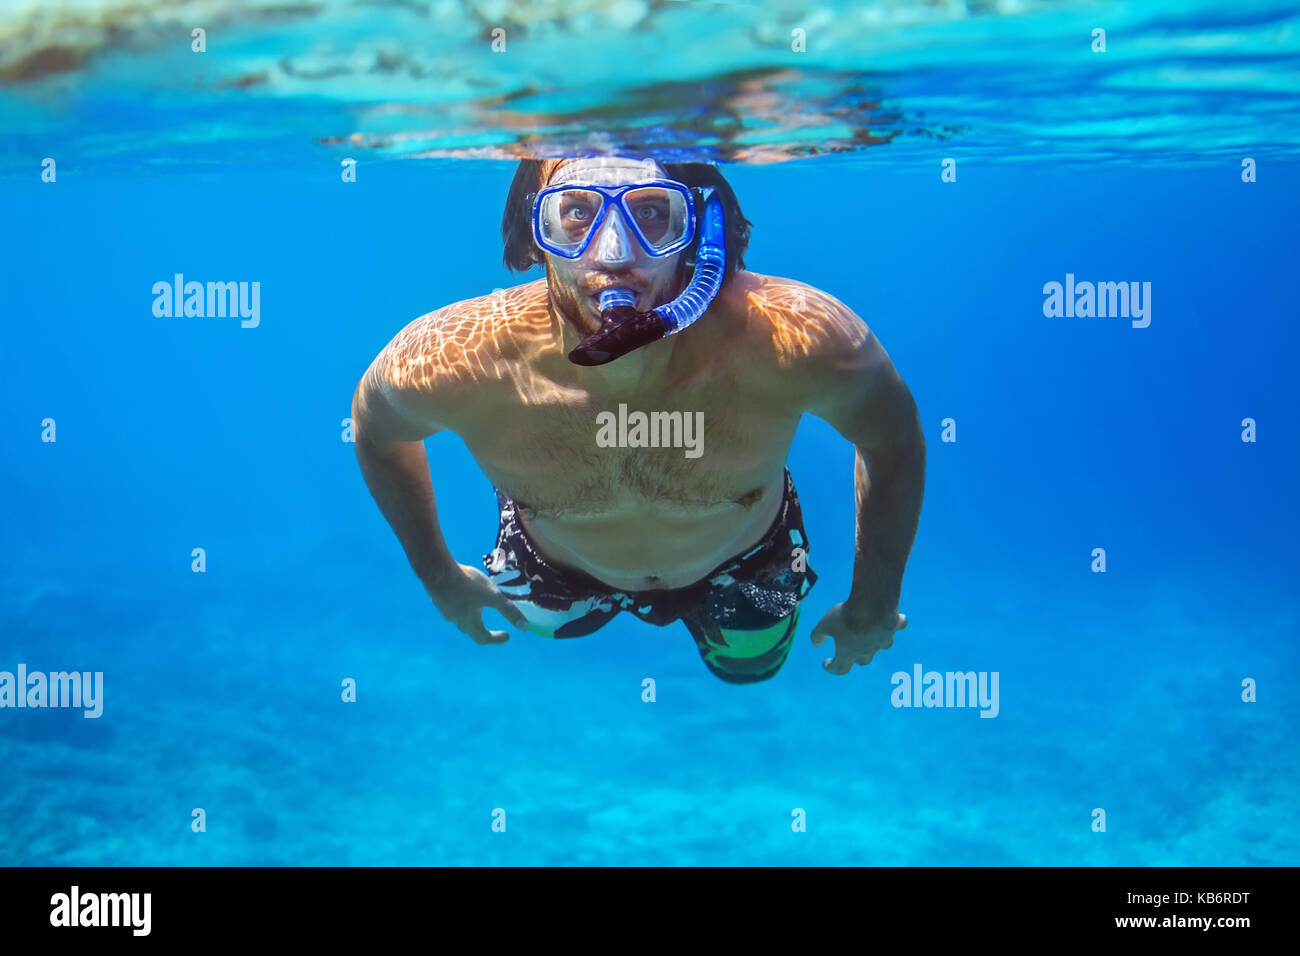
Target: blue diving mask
661, 214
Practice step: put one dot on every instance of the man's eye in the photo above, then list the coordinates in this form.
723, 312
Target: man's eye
648, 213
578, 213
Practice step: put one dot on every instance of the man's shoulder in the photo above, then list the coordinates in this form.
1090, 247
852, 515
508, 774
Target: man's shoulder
801, 322
492, 315
466, 340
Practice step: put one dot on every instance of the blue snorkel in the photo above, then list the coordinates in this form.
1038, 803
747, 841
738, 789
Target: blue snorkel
623, 328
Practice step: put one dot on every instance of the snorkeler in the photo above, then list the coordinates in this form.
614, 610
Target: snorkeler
645, 305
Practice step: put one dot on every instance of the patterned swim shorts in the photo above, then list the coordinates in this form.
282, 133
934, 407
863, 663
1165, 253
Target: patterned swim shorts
743, 614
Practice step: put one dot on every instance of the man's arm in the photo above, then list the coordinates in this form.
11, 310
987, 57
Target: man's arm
859, 392
889, 478
391, 417
390, 429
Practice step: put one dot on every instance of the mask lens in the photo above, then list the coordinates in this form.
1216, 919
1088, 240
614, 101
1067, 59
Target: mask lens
565, 218
659, 214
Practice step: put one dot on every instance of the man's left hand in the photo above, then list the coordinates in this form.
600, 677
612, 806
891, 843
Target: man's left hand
856, 642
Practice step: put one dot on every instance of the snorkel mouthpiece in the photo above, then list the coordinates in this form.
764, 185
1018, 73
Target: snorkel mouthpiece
623, 328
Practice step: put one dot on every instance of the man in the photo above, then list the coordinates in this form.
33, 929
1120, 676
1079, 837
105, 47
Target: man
706, 530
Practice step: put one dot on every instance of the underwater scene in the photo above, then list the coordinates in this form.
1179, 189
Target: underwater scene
231, 634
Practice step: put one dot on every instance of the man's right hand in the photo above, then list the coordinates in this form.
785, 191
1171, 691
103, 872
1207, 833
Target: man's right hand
462, 594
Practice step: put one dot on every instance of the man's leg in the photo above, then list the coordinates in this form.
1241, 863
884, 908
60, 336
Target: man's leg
576, 619
745, 624
744, 656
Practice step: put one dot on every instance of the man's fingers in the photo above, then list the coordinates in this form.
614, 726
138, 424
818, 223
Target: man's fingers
820, 633
475, 629
838, 665
508, 610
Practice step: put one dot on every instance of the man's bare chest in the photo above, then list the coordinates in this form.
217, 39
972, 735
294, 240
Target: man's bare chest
701, 454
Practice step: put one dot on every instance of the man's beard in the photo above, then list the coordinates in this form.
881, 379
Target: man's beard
571, 306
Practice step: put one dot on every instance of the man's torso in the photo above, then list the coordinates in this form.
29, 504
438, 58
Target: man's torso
636, 518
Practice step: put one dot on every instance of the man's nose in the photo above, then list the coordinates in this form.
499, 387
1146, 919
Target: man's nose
613, 245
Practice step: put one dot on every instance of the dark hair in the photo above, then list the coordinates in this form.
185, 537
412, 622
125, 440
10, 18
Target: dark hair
517, 225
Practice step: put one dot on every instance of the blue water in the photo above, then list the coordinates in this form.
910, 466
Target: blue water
1119, 690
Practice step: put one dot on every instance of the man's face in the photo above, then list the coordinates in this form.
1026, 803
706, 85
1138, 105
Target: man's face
614, 257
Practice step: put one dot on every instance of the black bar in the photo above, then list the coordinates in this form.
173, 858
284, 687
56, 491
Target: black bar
975, 905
